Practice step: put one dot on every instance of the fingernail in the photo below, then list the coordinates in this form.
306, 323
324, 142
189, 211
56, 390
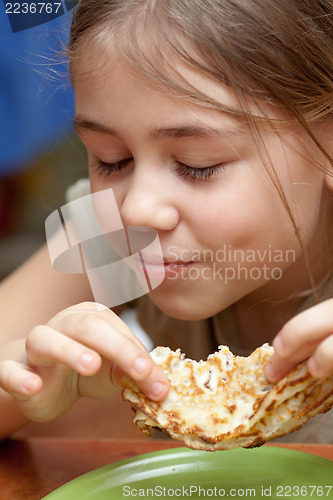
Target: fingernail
28, 384
313, 367
86, 359
140, 364
271, 373
278, 345
157, 388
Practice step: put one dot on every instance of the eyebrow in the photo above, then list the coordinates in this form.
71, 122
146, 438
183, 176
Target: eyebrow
168, 132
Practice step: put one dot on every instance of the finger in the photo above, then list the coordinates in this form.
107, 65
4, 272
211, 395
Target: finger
278, 367
46, 346
156, 391
321, 363
127, 352
74, 313
299, 338
18, 380
107, 334
310, 326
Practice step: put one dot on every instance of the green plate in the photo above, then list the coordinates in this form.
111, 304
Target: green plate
239, 473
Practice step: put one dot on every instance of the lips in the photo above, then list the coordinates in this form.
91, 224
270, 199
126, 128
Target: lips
159, 261
176, 263
170, 268
159, 267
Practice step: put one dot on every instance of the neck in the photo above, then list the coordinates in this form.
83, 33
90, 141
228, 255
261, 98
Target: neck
259, 323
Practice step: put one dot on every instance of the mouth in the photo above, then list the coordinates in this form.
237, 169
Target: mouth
156, 267
177, 268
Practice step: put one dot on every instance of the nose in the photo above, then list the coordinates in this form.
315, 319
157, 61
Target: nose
149, 201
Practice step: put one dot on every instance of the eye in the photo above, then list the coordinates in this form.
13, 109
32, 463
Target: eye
105, 169
199, 174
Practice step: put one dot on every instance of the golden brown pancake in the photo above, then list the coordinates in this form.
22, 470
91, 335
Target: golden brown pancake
227, 401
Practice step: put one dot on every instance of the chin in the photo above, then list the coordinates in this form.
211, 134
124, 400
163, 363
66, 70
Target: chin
183, 307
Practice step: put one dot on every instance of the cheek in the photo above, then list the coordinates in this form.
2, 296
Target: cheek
244, 212
249, 218
248, 211
303, 190
100, 183
106, 211
301, 182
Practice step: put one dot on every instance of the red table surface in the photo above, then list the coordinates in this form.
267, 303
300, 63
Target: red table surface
32, 468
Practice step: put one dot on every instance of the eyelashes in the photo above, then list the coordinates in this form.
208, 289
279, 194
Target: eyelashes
105, 169
192, 173
198, 174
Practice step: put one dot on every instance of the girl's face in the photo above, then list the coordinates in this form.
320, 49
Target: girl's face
195, 175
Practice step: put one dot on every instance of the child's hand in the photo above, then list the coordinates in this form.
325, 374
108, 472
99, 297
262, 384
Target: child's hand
307, 335
82, 352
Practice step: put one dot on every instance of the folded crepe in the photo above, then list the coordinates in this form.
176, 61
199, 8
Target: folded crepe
227, 401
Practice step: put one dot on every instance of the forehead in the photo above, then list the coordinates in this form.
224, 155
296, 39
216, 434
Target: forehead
114, 98
111, 70
100, 72
107, 71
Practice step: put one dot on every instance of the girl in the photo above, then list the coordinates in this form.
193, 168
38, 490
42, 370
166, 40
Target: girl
212, 122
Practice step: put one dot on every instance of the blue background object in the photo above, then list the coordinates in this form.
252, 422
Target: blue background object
36, 97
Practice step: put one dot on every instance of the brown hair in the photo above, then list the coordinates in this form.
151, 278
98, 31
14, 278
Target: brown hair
275, 50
